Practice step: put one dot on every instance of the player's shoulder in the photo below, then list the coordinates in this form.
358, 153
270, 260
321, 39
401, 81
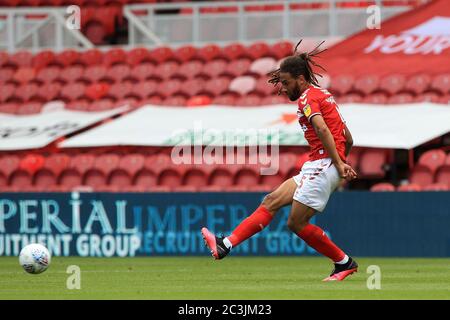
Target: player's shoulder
316, 92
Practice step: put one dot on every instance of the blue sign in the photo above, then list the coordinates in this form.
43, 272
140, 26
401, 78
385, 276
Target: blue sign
139, 224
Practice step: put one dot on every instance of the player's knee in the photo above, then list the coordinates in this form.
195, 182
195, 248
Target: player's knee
271, 203
296, 225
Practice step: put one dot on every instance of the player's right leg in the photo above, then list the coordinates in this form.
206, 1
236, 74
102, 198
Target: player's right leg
256, 222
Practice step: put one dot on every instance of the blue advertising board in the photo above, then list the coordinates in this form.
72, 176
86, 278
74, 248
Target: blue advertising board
161, 224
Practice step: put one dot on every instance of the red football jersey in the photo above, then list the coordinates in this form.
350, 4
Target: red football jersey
319, 101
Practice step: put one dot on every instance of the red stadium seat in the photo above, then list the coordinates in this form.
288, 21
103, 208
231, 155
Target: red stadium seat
44, 179
441, 83
350, 98
270, 182
4, 58
392, 84
138, 56
342, 84
421, 175
161, 54
21, 179
242, 85
145, 178
79, 105
443, 175
221, 177
6, 92
436, 187
44, 59
214, 68
97, 90
6, 74
101, 105
24, 75
73, 91
192, 87
31, 163
185, 53
94, 178
166, 70
272, 99
366, 84
175, 101
94, 73
189, 69
258, 50
371, 163
29, 108
264, 88
49, 74
282, 49
417, 84
142, 71
376, 98
196, 177
198, 101
27, 91
248, 176
118, 72
401, 98
170, 177
234, 51
145, 89
217, 86
250, 100
382, 187
70, 178
57, 163
9, 107
168, 88
237, 67
91, 57
225, 99
429, 96
409, 187
9, 164
120, 178
21, 59
82, 162
432, 159
114, 56
71, 74
107, 163
120, 90
49, 91
67, 57
209, 52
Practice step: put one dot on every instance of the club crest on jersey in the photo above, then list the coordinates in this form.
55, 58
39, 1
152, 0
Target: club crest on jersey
307, 110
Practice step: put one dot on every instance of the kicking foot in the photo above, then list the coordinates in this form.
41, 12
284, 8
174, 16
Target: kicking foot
215, 244
342, 271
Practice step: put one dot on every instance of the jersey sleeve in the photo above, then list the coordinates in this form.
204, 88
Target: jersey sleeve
310, 106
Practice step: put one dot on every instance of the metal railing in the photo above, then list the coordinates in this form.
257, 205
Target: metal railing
38, 28
245, 21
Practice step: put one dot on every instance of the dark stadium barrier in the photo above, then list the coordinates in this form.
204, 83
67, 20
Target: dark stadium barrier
138, 224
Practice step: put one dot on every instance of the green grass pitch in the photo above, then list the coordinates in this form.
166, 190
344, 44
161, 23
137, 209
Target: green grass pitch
231, 278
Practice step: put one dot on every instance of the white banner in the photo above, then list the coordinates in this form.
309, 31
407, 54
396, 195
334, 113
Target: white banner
391, 126
36, 131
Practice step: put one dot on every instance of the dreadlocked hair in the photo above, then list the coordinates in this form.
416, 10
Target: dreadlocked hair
299, 64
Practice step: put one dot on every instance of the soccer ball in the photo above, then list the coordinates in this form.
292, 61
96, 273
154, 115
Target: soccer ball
34, 258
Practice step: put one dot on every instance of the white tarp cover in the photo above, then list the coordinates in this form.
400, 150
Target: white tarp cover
390, 126
19, 132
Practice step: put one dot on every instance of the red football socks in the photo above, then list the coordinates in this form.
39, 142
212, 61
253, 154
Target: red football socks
254, 223
317, 239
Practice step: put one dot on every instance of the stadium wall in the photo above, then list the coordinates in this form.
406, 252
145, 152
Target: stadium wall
138, 224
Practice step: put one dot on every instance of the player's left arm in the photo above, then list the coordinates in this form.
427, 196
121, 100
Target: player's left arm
324, 134
348, 140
